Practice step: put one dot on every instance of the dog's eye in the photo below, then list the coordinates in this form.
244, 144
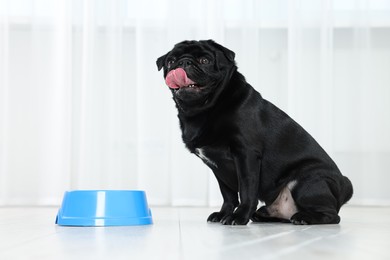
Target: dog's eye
170, 62
204, 61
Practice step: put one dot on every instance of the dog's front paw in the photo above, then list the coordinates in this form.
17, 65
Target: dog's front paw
235, 219
227, 218
216, 217
240, 216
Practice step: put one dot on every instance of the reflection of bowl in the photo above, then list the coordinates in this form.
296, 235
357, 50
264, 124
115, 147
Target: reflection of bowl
104, 208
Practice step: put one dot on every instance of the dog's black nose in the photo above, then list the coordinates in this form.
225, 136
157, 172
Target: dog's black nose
185, 63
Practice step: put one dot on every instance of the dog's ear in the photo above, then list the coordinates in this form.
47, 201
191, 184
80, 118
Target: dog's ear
161, 61
230, 55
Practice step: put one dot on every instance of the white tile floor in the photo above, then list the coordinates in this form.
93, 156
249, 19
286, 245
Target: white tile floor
182, 233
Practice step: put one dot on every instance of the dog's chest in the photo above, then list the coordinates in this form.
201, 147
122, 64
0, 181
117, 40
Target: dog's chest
201, 153
215, 157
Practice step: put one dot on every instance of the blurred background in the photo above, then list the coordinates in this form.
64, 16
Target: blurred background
82, 105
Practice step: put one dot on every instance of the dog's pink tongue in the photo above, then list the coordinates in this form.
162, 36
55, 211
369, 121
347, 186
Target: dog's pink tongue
177, 78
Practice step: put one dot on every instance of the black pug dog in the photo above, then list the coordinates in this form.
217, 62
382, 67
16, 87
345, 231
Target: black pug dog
256, 151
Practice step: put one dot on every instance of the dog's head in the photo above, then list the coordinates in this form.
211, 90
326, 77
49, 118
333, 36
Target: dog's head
197, 72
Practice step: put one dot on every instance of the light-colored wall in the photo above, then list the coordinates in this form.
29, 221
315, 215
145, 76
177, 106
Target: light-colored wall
90, 110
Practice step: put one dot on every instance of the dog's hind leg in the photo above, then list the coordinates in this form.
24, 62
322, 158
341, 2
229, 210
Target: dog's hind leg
316, 202
309, 218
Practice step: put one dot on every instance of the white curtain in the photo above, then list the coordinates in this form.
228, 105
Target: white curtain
82, 105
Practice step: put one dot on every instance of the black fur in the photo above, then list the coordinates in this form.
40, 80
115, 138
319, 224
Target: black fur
253, 147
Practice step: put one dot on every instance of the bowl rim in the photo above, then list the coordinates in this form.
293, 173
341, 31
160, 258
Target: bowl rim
86, 190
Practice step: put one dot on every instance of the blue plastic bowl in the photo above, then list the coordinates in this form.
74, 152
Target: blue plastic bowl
104, 208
